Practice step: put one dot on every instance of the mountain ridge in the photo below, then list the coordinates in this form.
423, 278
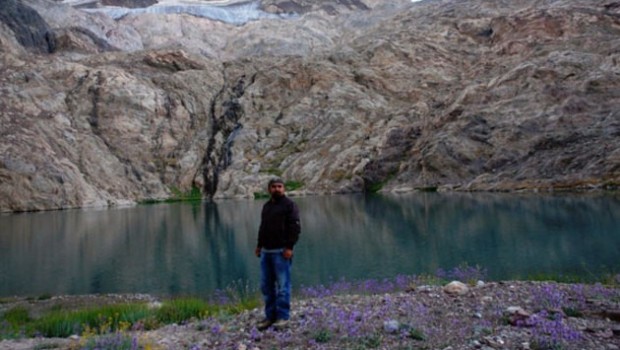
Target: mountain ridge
399, 96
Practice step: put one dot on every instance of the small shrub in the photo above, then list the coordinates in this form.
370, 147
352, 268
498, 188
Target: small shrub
293, 185
261, 195
183, 309
16, 316
572, 312
416, 334
323, 336
45, 296
192, 194
372, 341
375, 187
12, 323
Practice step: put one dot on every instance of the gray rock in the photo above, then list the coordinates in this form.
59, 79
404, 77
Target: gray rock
29, 28
391, 326
393, 97
456, 288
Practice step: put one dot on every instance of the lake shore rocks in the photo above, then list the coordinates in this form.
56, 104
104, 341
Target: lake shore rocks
338, 97
566, 315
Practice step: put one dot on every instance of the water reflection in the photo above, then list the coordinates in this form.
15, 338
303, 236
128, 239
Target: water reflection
195, 248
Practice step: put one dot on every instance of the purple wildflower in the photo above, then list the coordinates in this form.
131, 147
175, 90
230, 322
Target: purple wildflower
216, 329
550, 331
255, 335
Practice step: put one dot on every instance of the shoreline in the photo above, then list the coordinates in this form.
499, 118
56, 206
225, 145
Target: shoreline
120, 204
491, 315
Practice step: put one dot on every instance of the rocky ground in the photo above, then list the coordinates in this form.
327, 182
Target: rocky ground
493, 315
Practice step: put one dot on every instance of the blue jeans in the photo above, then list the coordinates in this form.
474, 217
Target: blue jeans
275, 284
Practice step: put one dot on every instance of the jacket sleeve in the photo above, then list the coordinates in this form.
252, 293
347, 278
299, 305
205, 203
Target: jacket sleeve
293, 226
261, 232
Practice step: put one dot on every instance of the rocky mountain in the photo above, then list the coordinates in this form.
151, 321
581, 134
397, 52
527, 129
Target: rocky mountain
335, 96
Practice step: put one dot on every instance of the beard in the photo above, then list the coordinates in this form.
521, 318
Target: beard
277, 195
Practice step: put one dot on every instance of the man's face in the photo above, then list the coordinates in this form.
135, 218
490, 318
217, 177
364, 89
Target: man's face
276, 189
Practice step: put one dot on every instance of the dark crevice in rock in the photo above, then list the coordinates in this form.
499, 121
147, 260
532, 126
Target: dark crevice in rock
386, 166
93, 118
226, 112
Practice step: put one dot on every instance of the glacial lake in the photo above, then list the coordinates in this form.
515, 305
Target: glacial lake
196, 248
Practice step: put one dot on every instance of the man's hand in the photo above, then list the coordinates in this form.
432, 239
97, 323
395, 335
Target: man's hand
287, 253
257, 252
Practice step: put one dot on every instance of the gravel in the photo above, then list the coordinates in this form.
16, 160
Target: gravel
493, 315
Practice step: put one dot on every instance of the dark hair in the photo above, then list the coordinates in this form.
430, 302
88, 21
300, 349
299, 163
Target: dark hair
275, 180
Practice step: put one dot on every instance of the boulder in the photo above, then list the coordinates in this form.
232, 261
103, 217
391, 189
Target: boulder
456, 288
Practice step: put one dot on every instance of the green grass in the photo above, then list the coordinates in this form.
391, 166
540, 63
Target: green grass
416, 334
293, 185
184, 309
375, 187
107, 319
192, 195
17, 315
261, 195
322, 336
273, 171
62, 323
541, 277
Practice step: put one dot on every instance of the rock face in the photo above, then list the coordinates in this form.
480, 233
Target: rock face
29, 28
340, 96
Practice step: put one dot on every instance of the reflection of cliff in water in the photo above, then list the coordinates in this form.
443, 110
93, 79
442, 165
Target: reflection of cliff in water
163, 249
510, 235
195, 248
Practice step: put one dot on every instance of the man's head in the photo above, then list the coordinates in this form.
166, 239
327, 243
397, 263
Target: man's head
276, 187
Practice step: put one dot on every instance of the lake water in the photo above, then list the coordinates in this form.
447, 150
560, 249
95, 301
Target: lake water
195, 248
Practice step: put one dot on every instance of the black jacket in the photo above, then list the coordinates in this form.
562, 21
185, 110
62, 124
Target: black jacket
279, 226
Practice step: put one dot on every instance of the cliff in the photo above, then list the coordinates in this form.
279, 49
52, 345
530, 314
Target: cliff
337, 96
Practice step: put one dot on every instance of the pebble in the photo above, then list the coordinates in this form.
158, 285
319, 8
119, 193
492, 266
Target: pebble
391, 326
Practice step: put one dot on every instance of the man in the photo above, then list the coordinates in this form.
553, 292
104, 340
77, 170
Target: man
279, 231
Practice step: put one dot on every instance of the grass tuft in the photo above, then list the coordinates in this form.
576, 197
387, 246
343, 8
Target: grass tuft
103, 319
17, 315
293, 185
261, 195
192, 195
184, 309
322, 336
